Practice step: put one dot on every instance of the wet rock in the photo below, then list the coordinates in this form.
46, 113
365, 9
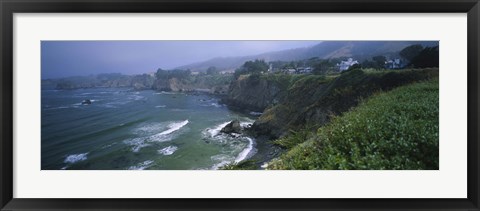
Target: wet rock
232, 128
86, 102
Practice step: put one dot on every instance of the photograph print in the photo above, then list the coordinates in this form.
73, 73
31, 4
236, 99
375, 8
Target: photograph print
240, 105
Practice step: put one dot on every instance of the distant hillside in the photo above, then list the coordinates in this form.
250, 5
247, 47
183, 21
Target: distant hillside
359, 50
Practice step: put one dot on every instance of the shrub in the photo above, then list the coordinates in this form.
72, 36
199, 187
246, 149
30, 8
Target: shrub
391, 130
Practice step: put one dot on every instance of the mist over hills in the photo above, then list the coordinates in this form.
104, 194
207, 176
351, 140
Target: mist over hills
359, 50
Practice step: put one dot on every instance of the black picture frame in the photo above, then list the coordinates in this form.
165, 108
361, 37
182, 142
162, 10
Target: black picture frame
9, 7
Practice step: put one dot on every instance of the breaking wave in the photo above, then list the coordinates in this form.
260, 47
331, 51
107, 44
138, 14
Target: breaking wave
168, 150
141, 166
174, 127
212, 132
166, 135
75, 158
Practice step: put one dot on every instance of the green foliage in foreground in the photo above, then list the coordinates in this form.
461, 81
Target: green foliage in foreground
391, 130
294, 138
243, 165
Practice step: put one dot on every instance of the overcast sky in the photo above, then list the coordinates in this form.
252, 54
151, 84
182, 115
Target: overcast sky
73, 58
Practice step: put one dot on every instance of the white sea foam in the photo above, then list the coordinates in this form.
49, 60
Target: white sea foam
141, 166
212, 132
219, 165
160, 106
150, 128
168, 150
264, 165
136, 97
167, 93
174, 127
245, 152
221, 160
75, 158
256, 113
147, 130
108, 145
216, 105
137, 144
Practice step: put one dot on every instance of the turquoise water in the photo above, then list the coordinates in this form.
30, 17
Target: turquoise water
137, 130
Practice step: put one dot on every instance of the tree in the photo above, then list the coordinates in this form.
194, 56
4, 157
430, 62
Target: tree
321, 67
428, 57
355, 66
379, 61
410, 52
252, 67
161, 74
369, 64
212, 70
168, 74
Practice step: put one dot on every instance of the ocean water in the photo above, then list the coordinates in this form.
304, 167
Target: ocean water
137, 130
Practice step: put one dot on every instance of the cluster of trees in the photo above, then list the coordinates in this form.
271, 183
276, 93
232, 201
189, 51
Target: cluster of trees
319, 66
168, 74
323, 66
251, 67
212, 71
428, 57
377, 62
414, 56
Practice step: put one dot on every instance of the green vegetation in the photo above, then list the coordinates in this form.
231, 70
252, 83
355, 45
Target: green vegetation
251, 67
411, 52
184, 80
243, 165
212, 70
168, 74
294, 138
428, 57
391, 130
212, 80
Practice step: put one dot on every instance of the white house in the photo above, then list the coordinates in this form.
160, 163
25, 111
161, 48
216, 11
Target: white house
270, 68
394, 64
344, 65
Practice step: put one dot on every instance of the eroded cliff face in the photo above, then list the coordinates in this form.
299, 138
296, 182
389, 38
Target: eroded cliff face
256, 93
182, 85
309, 100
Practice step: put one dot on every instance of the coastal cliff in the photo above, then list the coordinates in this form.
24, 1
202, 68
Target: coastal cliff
257, 92
212, 84
292, 102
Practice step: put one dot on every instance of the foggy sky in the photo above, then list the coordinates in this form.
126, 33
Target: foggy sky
75, 58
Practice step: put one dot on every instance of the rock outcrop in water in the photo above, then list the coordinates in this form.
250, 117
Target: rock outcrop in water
86, 102
232, 127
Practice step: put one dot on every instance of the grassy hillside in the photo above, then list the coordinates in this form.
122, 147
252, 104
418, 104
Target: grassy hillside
397, 129
311, 100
